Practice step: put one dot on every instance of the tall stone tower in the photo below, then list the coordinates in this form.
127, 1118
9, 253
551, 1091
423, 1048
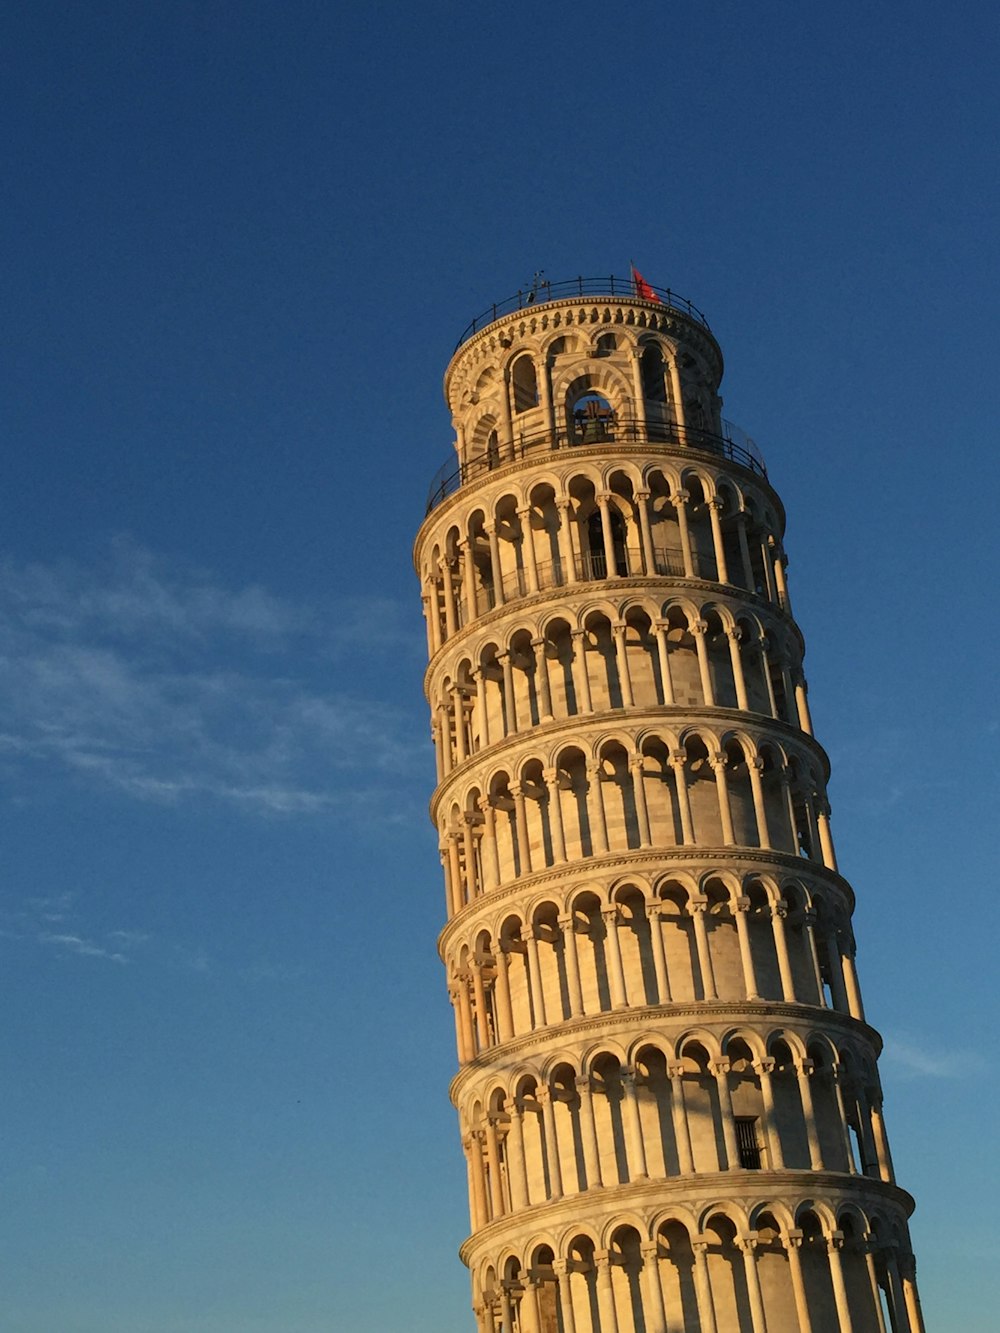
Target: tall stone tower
667, 1090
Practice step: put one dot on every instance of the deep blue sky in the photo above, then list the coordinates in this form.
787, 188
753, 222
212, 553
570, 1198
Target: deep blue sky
239, 242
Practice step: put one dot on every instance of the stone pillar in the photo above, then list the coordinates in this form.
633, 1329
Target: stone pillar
654, 1309
542, 676
510, 711
748, 1244
741, 532
604, 504
908, 1272
645, 532
784, 601
551, 776
698, 907
544, 1095
831, 942
450, 622
595, 806
803, 1069
572, 966
839, 1285
505, 1010
678, 1114
659, 953
516, 1165
778, 914
677, 762
605, 1292
528, 548
624, 675
535, 979
469, 845
718, 762
825, 840
588, 1133
736, 661
741, 909
755, 767
491, 857
495, 566
493, 1157
793, 1241
635, 1147
521, 823
477, 1190
698, 628
464, 1039
616, 972
714, 510
566, 550
480, 715
482, 1010
638, 396
680, 499
468, 581
721, 1072
882, 1152
581, 674
854, 1003
507, 430
455, 871
561, 1269
802, 703
663, 653
703, 1288
639, 795
775, 1156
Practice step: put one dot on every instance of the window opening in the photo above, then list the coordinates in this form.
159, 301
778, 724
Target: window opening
746, 1142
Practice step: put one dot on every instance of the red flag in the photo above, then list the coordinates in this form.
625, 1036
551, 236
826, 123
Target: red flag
642, 287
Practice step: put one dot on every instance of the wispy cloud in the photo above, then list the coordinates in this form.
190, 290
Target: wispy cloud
922, 1059
166, 684
78, 945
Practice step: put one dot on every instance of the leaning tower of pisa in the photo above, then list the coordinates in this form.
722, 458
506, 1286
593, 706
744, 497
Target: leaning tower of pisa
667, 1090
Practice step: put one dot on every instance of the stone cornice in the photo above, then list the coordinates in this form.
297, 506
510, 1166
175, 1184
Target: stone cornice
617, 1022
693, 1193
659, 858
627, 720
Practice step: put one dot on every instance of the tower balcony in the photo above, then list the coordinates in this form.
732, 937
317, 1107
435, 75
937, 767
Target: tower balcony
572, 289
608, 435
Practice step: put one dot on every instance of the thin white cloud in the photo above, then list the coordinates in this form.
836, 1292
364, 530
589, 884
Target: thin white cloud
164, 684
922, 1059
86, 948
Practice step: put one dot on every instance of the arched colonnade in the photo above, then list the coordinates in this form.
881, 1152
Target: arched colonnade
769, 1267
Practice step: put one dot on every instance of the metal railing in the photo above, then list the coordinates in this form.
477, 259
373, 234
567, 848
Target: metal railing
733, 444
541, 292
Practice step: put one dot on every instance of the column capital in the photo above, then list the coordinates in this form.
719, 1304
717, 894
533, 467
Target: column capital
675, 1072
610, 914
650, 1250
642, 495
764, 1066
717, 759
794, 1237
720, 1068
742, 904
582, 1082
561, 1267
756, 763
680, 497
835, 1240
677, 758
698, 627
716, 504
595, 772
735, 634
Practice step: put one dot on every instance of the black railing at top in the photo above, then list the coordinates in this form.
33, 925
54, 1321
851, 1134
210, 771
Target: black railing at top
733, 444
541, 292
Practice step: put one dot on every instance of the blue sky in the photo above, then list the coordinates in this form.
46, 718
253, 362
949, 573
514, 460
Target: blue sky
239, 244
